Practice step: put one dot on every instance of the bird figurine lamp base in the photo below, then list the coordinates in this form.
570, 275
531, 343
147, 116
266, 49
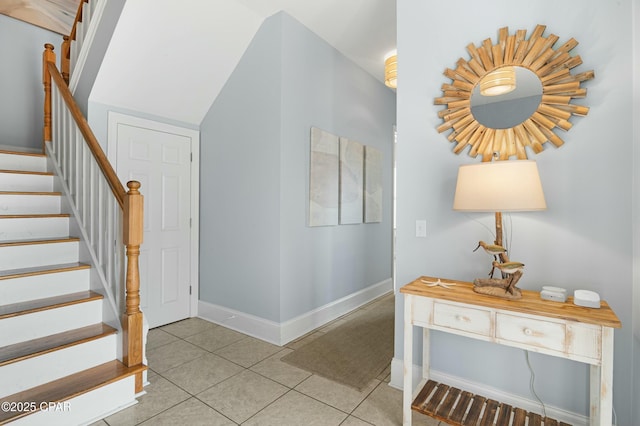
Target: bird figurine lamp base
504, 287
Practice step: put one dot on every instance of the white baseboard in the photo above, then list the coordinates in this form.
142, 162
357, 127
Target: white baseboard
299, 326
486, 391
251, 325
283, 333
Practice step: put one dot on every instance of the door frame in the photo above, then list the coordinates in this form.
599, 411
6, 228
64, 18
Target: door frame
116, 118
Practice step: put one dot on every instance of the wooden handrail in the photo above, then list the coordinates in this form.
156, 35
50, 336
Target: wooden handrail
112, 178
131, 203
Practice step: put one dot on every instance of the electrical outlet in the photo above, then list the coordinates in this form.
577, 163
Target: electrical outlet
421, 228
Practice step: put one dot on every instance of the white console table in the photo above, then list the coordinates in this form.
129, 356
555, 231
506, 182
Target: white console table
559, 329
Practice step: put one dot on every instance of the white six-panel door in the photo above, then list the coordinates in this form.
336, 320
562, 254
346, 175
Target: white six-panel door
159, 157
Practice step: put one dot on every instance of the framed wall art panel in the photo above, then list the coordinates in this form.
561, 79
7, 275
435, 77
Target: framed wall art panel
323, 178
351, 181
372, 185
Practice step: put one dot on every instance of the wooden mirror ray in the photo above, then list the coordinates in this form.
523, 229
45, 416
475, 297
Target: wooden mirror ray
559, 87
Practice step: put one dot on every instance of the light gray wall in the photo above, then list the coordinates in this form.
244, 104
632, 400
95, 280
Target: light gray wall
21, 90
584, 238
636, 211
257, 254
240, 184
322, 88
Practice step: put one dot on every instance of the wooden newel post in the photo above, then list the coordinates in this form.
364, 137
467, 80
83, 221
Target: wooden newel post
47, 56
132, 321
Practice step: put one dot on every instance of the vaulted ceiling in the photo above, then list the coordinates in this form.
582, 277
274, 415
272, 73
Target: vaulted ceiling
363, 30
161, 50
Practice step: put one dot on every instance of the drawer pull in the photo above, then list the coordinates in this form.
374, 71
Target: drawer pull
528, 331
462, 318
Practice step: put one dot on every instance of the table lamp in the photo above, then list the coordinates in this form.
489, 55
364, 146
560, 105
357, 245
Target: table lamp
499, 186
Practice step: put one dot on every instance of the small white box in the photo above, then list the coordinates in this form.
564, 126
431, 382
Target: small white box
554, 289
555, 296
586, 298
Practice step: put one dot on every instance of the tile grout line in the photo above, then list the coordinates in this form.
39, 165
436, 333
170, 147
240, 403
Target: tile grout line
249, 368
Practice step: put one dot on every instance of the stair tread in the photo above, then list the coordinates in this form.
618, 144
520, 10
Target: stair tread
41, 270
51, 193
28, 154
74, 385
70, 386
34, 216
26, 172
35, 347
23, 308
31, 241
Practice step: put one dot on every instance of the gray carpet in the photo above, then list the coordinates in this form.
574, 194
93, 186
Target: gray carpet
353, 353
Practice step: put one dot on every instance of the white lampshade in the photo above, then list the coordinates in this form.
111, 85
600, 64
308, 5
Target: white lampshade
498, 82
499, 186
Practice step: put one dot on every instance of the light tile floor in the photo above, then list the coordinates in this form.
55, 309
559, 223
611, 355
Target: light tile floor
201, 373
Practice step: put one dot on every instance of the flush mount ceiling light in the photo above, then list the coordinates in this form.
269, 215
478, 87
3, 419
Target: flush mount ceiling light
391, 69
498, 82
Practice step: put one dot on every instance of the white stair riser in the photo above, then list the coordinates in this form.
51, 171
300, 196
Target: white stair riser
26, 182
30, 255
87, 407
32, 287
30, 228
25, 374
30, 163
52, 321
29, 204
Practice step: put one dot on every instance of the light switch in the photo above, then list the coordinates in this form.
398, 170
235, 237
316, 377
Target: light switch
421, 228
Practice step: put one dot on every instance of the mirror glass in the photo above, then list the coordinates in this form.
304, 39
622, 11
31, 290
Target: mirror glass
510, 109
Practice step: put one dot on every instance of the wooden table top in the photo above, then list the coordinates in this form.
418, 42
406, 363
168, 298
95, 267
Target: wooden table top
531, 303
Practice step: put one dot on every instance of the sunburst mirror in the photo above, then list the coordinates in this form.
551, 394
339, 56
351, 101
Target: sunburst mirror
528, 117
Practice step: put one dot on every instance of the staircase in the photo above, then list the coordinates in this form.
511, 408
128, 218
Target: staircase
58, 360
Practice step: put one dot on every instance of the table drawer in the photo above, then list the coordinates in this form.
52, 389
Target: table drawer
477, 321
531, 332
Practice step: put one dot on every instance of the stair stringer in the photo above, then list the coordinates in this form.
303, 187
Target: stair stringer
113, 300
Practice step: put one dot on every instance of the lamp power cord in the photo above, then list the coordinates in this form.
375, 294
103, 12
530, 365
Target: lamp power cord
531, 384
